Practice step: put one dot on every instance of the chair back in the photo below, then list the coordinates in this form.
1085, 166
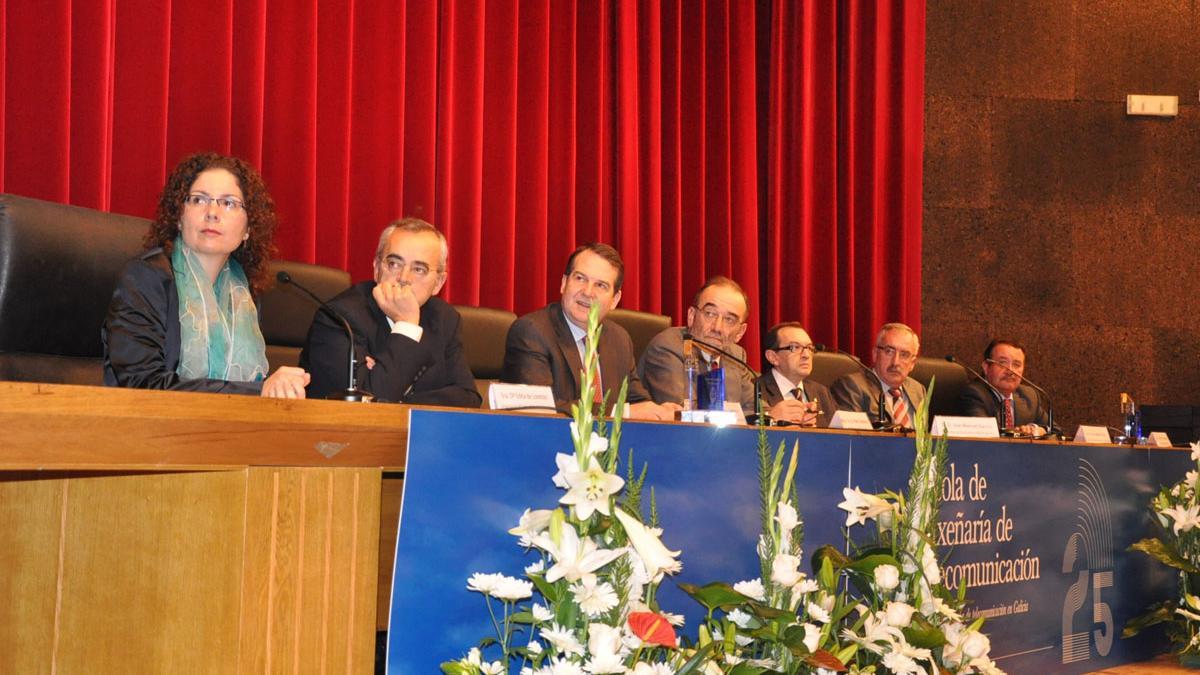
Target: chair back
641, 326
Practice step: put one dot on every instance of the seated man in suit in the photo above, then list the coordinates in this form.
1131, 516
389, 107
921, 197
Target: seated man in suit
546, 347
717, 316
888, 395
786, 393
1020, 409
407, 341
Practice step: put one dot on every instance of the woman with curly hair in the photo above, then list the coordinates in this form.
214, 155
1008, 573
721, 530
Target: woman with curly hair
183, 313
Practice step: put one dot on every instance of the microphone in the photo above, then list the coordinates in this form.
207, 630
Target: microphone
871, 376
1041, 392
981, 378
754, 374
352, 392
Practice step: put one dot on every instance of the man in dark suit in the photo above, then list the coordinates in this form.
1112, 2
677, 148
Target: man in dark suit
407, 341
786, 392
546, 347
1019, 407
888, 395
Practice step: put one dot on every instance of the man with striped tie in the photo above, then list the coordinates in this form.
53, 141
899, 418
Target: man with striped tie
1020, 408
890, 398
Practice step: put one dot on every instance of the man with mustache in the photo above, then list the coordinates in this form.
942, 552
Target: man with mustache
546, 347
892, 360
1020, 409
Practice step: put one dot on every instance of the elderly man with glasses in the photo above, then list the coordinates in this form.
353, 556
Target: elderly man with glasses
890, 398
718, 317
788, 395
407, 342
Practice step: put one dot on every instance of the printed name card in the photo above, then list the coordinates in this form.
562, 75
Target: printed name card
523, 397
845, 419
1092, 434
1159, 439
732, 414
966, 427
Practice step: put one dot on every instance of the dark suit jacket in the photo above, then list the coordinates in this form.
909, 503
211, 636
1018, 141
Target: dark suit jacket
432, 371
977, 401
541, 350
859, 392
815, 390
141, 332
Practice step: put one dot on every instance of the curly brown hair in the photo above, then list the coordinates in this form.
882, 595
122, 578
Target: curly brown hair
256, 252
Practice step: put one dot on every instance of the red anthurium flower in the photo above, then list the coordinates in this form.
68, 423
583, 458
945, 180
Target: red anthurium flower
652, 629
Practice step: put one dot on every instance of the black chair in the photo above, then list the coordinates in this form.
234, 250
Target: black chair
951, 379
641, 326
286, 312
829, 366
484, 330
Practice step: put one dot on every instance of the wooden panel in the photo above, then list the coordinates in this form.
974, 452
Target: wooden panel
311, 560
389, 527
72, 427
30, 524
151, 575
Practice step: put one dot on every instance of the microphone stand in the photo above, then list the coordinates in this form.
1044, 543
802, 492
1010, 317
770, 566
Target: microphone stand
981, 378
1052, 431
754, 374
351, 392
891, 425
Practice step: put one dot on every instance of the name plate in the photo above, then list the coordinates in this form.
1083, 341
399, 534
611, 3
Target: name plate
1092, 434
732, 414
845, 419
965, 427
1158, 439
523, 397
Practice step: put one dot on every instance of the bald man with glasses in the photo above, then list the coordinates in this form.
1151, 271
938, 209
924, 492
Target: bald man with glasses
788, 395
888, 395
717, 316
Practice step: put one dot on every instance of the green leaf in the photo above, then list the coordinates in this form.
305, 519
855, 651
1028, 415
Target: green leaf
698, 659
744, 668
836, 557
547, 589
714, 596
867, 563
921, 633
1164, 553
767, 612
455, 668
1157, 613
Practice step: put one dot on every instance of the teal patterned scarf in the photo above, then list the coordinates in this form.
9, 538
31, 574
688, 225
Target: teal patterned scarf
218, 323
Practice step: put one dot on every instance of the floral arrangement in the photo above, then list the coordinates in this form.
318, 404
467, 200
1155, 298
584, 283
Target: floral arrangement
1175, 512
587, 604
897, 618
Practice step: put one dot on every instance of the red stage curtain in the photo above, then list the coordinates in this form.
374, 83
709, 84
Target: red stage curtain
776, 142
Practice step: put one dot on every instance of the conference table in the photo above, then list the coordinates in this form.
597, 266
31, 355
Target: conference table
167, 532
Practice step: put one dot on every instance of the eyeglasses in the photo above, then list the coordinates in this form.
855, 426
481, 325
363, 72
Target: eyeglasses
396, 265
893, 352
793, 348
227, 204
711, 315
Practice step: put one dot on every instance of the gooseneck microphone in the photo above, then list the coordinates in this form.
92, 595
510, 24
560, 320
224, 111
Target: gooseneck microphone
351, 392
754, 374
890, 425
981, 378
1041, 393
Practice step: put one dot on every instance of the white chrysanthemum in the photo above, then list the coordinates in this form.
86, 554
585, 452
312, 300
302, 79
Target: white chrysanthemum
512, 589
534, 647
1196, 451
594, 597
541, 614
675, 620
899, 664
936, 605
739, 618
536, 567
738, 639
805, 585
817, 613
652, 669
484, 583
752, 588
559, 667
563, 640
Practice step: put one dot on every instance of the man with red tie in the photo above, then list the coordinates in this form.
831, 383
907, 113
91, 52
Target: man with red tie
1020, 408
889, 396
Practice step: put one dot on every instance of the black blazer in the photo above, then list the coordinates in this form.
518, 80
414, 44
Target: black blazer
433, 371
815, 390
541, 350
141, 332
977, 401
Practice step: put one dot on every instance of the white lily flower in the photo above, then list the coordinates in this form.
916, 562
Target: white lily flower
1185, 517
812, 637
605, 650
935, 605
590, 490
860, 506
532, 524
752, 588
657, 559
511, 589
566, 464
887, 577
785, 569
594, 597
574, 557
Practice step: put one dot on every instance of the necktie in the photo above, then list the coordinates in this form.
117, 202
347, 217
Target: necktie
1010, 416
798, 394
899, 407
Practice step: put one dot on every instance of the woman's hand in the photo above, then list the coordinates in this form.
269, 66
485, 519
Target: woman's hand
287, 382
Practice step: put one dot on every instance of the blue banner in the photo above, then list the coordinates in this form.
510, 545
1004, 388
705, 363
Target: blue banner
1037, 531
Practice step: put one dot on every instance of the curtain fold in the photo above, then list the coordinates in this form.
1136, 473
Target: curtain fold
777, 142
